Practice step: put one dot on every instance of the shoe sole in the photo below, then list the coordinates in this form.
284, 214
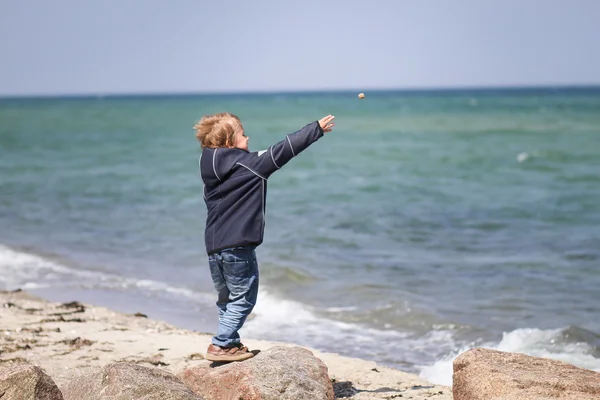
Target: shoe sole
241, 357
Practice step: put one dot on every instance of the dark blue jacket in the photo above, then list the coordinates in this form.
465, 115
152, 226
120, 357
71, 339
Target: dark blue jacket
235, 188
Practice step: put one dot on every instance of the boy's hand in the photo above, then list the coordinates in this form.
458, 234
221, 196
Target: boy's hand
327, 123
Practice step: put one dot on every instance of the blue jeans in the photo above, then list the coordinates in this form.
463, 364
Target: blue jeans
235, 275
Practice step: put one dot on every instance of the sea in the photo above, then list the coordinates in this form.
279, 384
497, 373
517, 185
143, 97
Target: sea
427, 223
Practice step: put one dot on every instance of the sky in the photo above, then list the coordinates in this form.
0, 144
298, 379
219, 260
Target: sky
63, 47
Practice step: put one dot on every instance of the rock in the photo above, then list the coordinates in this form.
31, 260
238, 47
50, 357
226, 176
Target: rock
128, 381
280, 373
490, 374
27, 382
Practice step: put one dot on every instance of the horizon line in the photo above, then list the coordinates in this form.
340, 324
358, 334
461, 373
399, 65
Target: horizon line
593, 86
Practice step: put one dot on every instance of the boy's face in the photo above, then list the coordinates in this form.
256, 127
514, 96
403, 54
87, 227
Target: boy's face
240, 139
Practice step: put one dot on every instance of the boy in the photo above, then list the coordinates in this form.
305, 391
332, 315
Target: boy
235, 188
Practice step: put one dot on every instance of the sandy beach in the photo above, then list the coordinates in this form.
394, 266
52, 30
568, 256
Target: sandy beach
70, 339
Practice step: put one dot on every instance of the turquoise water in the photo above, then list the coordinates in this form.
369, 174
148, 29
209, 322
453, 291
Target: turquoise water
425, 223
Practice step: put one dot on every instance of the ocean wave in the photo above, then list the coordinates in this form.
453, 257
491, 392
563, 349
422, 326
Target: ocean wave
285, 320
31, 271
572, 345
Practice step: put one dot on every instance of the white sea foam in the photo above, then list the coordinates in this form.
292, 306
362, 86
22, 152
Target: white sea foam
289, 321
18, 269
29, 272
533, 342
340, 309
522, 157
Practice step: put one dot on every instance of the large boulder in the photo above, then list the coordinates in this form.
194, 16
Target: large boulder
484, 374
280, 373
128, 381
27, 382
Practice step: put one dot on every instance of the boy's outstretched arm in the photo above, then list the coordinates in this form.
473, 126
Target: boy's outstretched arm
267, 161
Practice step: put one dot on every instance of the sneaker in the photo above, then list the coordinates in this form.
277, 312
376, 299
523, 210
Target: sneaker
236, 352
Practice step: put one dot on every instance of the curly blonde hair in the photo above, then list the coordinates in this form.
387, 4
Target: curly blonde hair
217, 130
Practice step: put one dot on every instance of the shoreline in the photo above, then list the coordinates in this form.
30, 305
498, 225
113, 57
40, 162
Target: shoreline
69, 339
